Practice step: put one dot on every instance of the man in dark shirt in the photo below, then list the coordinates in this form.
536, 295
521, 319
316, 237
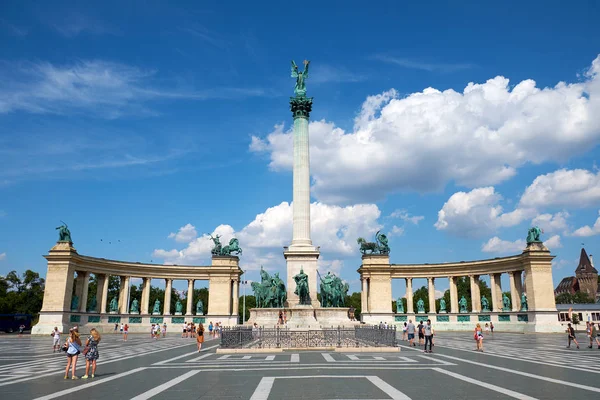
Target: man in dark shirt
421, 333
571, 333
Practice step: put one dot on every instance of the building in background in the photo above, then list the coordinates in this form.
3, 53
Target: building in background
584, 281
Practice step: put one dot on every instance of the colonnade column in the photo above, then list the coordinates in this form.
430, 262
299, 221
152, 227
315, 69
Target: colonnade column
453, 294
124, 295
515, 296
190, 297
409, 296
167, 302
84, 291
496, 287
363, 296
102, 292
78, 289
145, 296
236, 297
475, 294
431, 286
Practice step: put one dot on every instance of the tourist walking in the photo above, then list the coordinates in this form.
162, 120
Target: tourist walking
487, 328
593, 336
55, 340
404, 332
90, 352
122, 326
410, 330
210, 328
420, 332
21, 330
73, 346
164, 330
478, 336
571, 336
116, 328
428, 333
492, 328
125, 332
200, 336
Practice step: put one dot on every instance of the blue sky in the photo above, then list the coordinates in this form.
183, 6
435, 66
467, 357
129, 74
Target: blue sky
445, 125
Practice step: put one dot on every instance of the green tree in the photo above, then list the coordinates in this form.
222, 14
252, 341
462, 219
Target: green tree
582, 298
564, 298
250, 303
353, 300
21, 294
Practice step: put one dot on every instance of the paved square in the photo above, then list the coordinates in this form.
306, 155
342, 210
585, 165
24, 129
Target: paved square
512, 366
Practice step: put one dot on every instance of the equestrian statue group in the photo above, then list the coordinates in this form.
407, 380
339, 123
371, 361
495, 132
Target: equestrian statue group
380, 246
270, 292
220, 250
333, 291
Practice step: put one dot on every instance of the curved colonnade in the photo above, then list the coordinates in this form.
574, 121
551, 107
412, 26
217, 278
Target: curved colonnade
376, 274
69, 272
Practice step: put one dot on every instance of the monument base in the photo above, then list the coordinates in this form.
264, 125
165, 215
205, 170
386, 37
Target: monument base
304, 258
178, 313
302, 317
134, 312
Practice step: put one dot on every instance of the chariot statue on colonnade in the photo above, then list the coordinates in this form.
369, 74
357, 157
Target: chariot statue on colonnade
220, 250
380, 246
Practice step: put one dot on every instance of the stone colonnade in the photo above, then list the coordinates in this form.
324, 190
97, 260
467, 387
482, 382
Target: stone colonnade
64, 262
535, 262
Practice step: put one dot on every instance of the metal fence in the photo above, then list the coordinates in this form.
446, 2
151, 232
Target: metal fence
359, 336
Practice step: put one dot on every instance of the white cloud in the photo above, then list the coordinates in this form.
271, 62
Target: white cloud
439, 294
551, 222
497, 245
2, 256
334, 229
186, 234
574, 188
406, 217
107, 89
588, 230
477, 212
477, 137
396, 231
553, 242
425, 66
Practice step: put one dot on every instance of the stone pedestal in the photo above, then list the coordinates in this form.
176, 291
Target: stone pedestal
305, 258
178, 313
302, 317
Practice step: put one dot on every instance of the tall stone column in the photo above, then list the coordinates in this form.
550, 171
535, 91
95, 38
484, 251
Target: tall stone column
124, 295
453, 295
515, 296
364, 307
236, 298
145, 295
85, 284
475, 294
168, 291
431, 287
78, 287
301, 254
409, 296
102, 293
190, 297
496, 286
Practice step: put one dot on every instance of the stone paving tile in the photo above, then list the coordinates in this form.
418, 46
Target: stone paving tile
513, 366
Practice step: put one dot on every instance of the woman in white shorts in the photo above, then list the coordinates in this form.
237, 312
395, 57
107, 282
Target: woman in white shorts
55, 340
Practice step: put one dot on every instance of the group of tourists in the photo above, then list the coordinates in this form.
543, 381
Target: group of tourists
156, 331
74, 346
124, 330
425, 334
591, 331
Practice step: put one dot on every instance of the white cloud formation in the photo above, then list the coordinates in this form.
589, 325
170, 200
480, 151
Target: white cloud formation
587, 230
406, 217
107, 89
574, 188
396, 231
477, 137
334, 228
552, 222
497, 245
185, 234
477, 212
553, 242
2, 256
